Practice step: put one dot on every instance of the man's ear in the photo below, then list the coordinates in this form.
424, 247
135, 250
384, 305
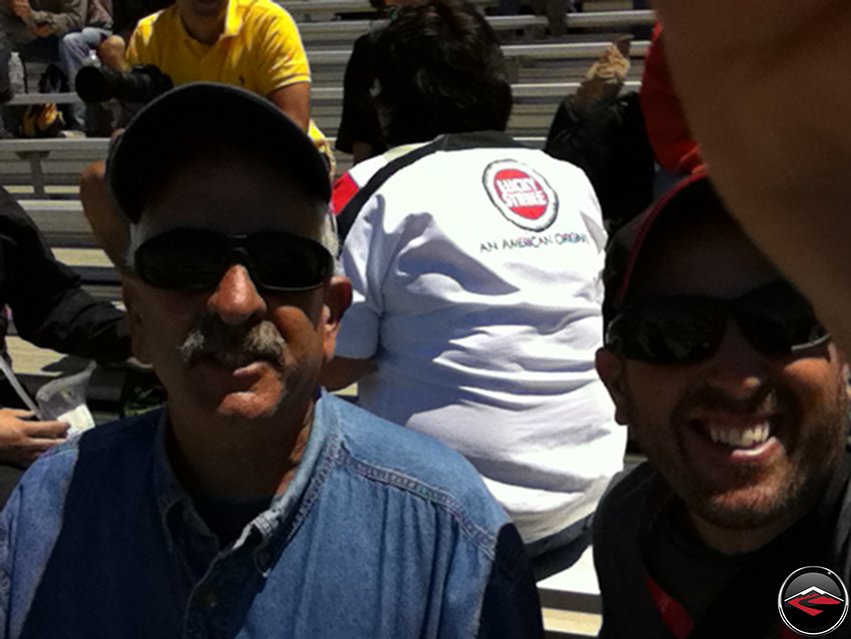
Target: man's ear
611, 369
338, 297
135, 318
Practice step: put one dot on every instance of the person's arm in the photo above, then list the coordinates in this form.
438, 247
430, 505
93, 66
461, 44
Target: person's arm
72, 17
139, 48
284, 74
762, 85
294, 100
359, 132
22, 440
110, 229
368, 251
111, 53
49, 306
341, 372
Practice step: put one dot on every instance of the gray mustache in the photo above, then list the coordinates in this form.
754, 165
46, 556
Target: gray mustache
232, 346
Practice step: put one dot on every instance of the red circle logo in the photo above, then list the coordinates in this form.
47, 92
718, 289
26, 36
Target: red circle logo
521, 193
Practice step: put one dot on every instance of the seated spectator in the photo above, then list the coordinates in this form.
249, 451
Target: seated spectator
126, 15
51, 310
737, 395
475, 264
602, 132
254, 504
360, 131
75, 49
253, 44
43, 31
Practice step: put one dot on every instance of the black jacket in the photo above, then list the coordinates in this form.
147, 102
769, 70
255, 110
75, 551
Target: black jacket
48, 304
745, 606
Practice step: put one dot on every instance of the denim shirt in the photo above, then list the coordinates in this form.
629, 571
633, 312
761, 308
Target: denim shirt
381, 533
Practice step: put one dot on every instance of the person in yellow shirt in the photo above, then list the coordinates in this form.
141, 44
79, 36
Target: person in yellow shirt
253, 44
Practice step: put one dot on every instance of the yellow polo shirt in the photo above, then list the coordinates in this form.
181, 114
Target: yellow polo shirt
259, 50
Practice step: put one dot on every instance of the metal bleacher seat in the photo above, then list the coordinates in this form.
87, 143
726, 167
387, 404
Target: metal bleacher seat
36, 166
347, 30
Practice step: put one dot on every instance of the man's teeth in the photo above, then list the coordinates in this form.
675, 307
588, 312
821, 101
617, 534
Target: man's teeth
738, 438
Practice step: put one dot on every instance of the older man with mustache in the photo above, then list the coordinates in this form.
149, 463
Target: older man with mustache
254, 505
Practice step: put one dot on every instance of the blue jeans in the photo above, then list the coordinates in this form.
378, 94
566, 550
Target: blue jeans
74, 49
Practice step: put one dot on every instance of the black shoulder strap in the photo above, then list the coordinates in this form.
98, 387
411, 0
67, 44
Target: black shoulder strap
449, 142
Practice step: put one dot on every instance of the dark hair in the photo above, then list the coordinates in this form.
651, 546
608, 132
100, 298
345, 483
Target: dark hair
440, 69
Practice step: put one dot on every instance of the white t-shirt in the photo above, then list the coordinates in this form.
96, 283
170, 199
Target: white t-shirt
477, 290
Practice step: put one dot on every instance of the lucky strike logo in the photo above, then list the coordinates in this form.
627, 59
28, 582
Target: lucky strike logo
521, 194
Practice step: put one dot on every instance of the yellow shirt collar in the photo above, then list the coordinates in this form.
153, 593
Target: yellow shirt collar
233, 19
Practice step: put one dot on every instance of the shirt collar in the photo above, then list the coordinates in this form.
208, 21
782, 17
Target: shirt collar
286, 510
320, 452
233, 20
233, 23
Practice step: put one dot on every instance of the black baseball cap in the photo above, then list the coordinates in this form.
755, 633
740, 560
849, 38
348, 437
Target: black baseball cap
185, 122
625, 248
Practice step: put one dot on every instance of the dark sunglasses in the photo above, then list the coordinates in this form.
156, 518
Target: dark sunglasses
776, 319
196, 259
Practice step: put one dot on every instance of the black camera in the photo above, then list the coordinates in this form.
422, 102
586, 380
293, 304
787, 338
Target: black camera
142, 84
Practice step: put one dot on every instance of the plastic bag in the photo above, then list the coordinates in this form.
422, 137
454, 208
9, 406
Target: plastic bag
64, 399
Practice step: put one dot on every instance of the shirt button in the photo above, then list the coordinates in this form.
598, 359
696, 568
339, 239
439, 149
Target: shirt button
209, 599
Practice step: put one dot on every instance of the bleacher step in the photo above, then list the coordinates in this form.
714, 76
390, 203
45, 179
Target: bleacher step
568, 624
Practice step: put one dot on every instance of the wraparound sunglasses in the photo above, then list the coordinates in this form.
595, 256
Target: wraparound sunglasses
775, 318
196, 259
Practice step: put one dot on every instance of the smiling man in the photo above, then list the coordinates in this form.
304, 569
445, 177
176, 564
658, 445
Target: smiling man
737, 396
254, 505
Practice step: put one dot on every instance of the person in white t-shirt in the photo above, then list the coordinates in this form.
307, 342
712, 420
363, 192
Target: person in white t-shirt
476, 270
